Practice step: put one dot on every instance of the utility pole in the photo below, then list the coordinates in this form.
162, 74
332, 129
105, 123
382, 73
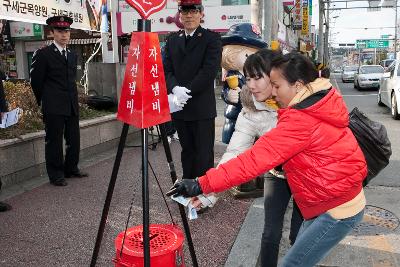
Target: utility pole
321, 32
114, 34
326, 43
395, 32
267, 21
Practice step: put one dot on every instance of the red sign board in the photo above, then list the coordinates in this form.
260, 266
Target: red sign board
147, 7
144, 101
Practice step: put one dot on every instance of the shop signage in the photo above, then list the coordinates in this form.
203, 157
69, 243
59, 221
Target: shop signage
123, 6
297, 16
304, 26
27, 31
167, 20
86, 14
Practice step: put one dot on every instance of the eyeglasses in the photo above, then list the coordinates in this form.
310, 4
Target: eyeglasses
189, 11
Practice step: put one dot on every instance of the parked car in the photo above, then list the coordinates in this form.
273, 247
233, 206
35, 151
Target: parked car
368, 76
389, 90
386, 63
348, 73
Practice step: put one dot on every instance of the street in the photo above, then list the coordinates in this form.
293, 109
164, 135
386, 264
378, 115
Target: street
366, 101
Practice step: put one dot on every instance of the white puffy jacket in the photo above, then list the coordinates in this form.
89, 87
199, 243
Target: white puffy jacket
253, 121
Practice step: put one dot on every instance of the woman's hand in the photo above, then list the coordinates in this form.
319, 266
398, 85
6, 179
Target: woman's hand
186, 188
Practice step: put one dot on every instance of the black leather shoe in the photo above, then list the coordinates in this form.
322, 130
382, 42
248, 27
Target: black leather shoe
4, 207
59, 182
76, 175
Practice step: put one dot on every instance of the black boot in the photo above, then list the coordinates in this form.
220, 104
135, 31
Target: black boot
269, 254
4, 207
248, 190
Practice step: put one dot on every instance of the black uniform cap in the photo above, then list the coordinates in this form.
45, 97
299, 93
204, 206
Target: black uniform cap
60, 22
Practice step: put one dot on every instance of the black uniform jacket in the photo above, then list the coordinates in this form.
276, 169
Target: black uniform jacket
195, 67
53, 80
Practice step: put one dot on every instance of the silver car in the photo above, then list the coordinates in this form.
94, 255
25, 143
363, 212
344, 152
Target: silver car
368, 76
389, 90
348, 73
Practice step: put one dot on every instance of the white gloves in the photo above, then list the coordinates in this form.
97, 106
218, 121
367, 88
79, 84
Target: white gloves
175, 104
233, 95
182, 93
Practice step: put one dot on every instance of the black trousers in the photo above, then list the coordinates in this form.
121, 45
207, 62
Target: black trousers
276, 199
197, 142
57, 127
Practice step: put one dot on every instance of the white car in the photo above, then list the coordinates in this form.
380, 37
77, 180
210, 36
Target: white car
389, 90
368, 76
348, 73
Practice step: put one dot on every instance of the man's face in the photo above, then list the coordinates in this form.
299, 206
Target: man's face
61, 37
190, 19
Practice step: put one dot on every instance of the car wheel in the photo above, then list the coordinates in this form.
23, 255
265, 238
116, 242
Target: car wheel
394, 108
379, 99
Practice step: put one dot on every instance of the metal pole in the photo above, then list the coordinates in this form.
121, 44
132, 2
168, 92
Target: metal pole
145, 197
321, 32
267, 19
114, 32
395, 33
174, 177
110, 191
326, 48
144, 25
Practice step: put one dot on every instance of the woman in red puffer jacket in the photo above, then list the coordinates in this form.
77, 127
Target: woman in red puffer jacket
324, 165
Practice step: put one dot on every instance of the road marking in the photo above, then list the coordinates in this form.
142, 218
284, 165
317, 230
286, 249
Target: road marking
382, 244
337, 87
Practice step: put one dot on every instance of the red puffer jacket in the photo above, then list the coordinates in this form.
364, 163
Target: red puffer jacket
324, 165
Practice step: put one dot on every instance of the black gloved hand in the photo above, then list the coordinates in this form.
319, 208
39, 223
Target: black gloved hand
186, 188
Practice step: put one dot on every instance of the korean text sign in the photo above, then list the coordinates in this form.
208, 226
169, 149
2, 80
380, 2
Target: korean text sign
144, 100
87, 15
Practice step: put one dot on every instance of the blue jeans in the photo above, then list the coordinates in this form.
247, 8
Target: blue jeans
317, 237
276, 199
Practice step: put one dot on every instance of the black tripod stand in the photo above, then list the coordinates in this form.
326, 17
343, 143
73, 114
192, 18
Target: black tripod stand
143, 25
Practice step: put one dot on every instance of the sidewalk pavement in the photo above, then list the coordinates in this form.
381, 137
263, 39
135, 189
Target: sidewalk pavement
374, 243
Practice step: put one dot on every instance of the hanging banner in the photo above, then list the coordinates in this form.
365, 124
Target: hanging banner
144, 101
305, 26
87, 14
297, 18
281, 32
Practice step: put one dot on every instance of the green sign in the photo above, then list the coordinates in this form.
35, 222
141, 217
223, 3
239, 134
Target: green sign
372, 43
37, 30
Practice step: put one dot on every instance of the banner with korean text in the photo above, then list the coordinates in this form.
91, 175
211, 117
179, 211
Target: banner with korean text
87, 14
144, 101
